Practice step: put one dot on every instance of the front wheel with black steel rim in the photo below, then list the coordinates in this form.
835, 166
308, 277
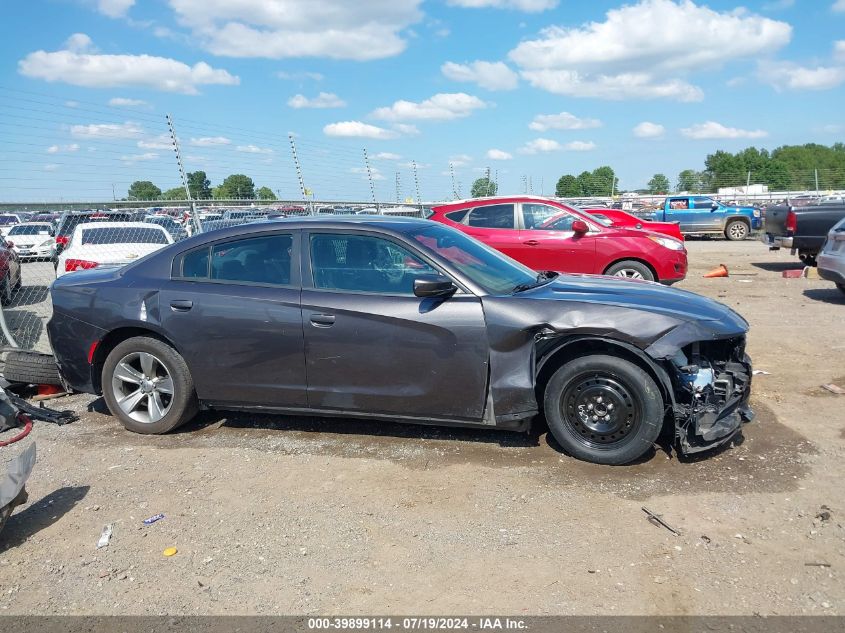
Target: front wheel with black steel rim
630, 269
736, 231
147, 386
603, 409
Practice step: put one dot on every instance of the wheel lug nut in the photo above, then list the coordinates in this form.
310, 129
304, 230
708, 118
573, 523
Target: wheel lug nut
589, 407
607, 418
595, 417
598, 399
610, 406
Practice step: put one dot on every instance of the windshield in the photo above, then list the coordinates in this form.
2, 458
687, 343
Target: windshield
496, 273
29, 229
123, 235
6, 220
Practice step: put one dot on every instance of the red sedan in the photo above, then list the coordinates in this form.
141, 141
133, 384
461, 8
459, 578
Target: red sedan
545, 234
623, 219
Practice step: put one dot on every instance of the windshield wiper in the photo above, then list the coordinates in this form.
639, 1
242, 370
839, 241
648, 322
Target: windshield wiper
542, 277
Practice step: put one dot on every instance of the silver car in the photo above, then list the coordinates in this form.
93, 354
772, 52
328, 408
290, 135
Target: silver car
831, 260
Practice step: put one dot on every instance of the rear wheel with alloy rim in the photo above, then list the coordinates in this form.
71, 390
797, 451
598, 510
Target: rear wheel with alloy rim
603, 409
147, 386
630, 269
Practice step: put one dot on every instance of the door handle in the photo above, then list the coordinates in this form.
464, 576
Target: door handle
531, 242
181, 305
322, 320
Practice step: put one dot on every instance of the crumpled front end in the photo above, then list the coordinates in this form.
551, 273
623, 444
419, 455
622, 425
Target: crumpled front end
712, 385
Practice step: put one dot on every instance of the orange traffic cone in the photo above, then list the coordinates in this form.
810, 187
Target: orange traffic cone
721, 271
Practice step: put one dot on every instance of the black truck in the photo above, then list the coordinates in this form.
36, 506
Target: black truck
802, 229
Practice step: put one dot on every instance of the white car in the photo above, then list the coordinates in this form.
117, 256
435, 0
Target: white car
7, 221
112, 244
831, 260
32, 240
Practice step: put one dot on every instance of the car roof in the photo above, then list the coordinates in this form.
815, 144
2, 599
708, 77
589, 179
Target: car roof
518, 196
116, 225
34, 224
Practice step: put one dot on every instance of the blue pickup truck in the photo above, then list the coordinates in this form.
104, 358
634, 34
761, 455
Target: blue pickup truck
702, 214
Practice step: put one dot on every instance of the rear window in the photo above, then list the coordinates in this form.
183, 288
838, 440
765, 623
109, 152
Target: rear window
457, 216
23, 229
123, 235
72, 221
6, 220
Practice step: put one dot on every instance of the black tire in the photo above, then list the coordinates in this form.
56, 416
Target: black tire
182, 403
613, 387
841, 288
808, 260
31, 368
736, 230
631, 268
19, 282
6, 290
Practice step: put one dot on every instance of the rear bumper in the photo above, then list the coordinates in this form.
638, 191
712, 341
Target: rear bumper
832, 268
71, 340
776, 241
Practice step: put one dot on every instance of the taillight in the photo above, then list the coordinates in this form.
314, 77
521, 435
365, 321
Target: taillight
79, 264
62, 240
791, 222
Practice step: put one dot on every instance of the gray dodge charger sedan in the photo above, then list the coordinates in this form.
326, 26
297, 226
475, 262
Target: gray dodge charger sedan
403, 320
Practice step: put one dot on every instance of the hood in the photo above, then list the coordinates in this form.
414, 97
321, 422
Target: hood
640, 295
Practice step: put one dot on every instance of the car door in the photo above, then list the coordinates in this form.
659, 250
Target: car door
549, 243
232, 309
679, 210
704, 217
495, 225
372, 346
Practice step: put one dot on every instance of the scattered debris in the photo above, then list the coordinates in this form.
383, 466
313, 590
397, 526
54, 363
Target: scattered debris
796, 273
720, 271
834, 389
810, 272
153, 519
705, 539
816, 564
170, 551
760, 372
824, 514
657, 520
105, 537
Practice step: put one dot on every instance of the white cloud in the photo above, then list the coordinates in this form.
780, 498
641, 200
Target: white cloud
647, 129
713, 130
839, 50
562, 121
838, 6
440, 107
299, 76
374, 172
579, 146
498, 154
114, 8
358, 129
530, 6
133, 158
254, 149
386, 156
210, 141
541, 145
51, 167
637, 49
162, 141
107, 130
460, 160
276, 29
122, 102
406, 129
791, 76
778, 5
79, 65
322, 100
56, 149
489, 75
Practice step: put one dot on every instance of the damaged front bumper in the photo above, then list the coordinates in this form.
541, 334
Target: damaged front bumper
712, 384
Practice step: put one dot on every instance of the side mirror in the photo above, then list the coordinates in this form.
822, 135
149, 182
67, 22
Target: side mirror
433, 286
714, 206
580, 227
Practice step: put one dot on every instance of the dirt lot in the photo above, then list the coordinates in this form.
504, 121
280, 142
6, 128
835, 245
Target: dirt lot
286, 515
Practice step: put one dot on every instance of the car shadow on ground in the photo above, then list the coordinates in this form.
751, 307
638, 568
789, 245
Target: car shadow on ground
826, 295
29, 295
40, 514
778, 267
27, 328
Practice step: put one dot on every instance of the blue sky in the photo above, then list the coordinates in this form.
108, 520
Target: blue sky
529, 88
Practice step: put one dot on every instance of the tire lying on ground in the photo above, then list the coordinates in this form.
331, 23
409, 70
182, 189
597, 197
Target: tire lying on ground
31, 368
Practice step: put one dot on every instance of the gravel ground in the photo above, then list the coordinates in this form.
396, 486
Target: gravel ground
282, 515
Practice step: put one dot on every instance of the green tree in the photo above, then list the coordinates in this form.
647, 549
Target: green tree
483, 187
689, 180
220, 193
199, 185
604, 181
177, 193
238, 186
659, 183
265, 193
568, 187
143, 190
585, 183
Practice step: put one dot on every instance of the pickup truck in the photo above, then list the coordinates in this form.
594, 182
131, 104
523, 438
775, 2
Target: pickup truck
803, 230
702, 214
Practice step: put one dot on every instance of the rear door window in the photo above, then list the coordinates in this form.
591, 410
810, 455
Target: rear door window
493, 216
264, 259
